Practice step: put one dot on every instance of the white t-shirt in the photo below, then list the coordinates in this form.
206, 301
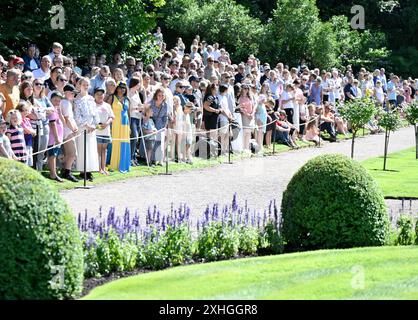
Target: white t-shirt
380, 94
67, 111
285, 96
40, 74
135, 103
337, 87
105, 112
223, 102
169, 99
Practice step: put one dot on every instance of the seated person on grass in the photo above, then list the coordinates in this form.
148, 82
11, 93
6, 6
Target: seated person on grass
283, 128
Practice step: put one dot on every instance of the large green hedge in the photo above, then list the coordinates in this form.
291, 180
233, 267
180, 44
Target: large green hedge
333, 202
40, 248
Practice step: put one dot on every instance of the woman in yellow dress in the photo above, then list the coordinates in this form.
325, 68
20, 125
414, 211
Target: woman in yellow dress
121, 149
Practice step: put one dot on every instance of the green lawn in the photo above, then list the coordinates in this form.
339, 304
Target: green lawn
388, 273
401, 177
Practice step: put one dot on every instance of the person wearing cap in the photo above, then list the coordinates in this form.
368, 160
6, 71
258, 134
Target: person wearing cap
10, 90
194, 82
240, 76
31, 62
87, 118
120, 159
70, 131
17, 63
180, 89
56, 135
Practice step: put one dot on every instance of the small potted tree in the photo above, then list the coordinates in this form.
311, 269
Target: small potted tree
390, 121
411, 115
358, 113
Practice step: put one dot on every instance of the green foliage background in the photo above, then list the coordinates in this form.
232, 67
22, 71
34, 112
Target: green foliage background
275, 30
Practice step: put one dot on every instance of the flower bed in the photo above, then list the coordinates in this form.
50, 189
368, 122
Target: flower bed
119, 246
122, 244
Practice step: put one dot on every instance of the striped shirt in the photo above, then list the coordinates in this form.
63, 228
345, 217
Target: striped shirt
17, 141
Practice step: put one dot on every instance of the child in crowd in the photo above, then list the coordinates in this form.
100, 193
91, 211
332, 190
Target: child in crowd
5, 146
176, 153
312, 132
16, 135
56, 135
187, 131
148, 128
260, 120
271, 116
103, 135
29, 132
70, 131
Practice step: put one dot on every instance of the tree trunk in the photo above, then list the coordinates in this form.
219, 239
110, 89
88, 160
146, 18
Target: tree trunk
352, 144
386, 149
416, 141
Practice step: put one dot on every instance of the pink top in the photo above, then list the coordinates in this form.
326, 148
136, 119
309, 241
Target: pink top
311, 134
247, 105
26, 125
54, 117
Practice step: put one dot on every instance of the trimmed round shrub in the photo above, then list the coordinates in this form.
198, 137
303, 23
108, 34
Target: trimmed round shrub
333, 202
41, 254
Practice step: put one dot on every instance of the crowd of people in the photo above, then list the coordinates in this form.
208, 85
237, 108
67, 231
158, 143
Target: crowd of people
190, 101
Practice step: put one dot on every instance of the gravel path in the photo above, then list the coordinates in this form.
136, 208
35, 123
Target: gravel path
258, 180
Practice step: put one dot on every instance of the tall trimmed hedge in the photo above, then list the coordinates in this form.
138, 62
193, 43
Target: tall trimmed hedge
333, 202
40, 248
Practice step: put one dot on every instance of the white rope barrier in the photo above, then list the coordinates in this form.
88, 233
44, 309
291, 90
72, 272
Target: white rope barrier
155, 133
50, 148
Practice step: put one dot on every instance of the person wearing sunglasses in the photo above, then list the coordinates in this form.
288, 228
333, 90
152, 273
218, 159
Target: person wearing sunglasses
42, 107
52, 81
62, 81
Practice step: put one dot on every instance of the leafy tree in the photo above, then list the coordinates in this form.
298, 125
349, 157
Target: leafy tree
90, 25
411, 114
291, 30
219, 21
391, 121
358, 113
324, 43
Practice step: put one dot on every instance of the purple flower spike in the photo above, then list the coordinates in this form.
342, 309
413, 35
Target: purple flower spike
234, 202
